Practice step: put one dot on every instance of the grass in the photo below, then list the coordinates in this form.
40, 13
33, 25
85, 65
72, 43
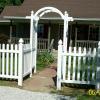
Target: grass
8, 82
40, 66
87, 97
78, 91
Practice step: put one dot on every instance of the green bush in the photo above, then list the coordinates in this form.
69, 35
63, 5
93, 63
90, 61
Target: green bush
44, 59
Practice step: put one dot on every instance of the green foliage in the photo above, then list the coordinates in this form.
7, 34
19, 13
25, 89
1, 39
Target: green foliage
44, 59
16, 2
87, 97
4, 3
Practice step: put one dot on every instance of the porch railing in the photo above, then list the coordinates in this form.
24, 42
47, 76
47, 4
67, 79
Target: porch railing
86, 43
42, 43
15, 40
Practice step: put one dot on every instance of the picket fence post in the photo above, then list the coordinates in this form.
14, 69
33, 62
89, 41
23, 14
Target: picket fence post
59, 65
98, 68
20, 63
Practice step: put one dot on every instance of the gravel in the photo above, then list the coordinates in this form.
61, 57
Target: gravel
9, 93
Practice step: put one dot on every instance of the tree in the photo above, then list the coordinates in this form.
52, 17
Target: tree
16, 2
4, 3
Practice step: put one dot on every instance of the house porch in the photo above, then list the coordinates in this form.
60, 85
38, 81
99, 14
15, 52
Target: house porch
81, 33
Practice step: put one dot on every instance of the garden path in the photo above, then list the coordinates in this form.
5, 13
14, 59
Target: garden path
43, 81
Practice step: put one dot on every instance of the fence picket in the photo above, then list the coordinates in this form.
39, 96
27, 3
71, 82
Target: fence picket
88, 67
11, 62
16, 61
84, 65
93, 64
79, 64
69, 63
74, 64
7, 60
3, 60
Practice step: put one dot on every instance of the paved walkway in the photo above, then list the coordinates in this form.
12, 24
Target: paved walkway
42, 81
8, 93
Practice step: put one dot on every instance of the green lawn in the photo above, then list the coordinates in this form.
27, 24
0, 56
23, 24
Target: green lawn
78, 91
87, 97
8, 82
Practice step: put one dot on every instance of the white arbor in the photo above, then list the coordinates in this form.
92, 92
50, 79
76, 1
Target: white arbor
34, 18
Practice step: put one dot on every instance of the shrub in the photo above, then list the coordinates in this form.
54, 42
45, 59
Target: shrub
44, 59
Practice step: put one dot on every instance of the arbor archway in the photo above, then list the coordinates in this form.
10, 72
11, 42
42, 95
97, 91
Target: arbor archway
34, 24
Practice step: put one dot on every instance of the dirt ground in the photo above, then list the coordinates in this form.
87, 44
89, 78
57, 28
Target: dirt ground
43, 81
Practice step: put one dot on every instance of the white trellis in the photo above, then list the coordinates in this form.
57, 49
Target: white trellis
34, 18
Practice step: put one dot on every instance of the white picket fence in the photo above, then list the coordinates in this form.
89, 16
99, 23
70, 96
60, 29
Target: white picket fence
16, 61
77, 65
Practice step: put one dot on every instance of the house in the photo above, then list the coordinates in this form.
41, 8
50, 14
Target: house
84, 29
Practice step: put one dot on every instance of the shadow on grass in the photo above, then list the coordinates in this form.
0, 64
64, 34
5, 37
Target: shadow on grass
8, 82
76, 90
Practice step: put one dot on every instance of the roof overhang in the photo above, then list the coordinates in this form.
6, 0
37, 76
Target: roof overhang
4, 21
13, 17
51, 18
87, 19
